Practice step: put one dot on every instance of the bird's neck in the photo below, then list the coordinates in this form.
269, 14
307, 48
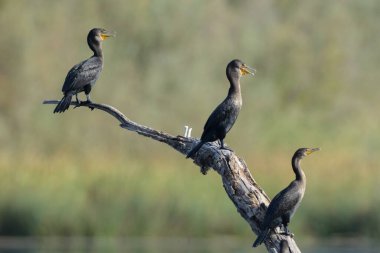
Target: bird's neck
96, 47
234, 87
300, 175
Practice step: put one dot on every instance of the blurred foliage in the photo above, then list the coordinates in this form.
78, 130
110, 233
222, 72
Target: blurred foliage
80, 174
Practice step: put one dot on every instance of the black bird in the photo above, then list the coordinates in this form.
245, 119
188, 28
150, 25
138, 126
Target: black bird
83, 76
285, 203
224, 116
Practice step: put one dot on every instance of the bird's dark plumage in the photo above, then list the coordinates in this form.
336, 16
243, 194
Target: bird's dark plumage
225, 114
285, 203
83, 76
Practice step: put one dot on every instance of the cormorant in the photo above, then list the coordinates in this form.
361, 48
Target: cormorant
285, 203
224, 116
83, 76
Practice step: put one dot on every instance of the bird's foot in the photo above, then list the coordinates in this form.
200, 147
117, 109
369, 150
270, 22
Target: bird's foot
77, 100
221, 143
82, 103
204, 170
287, 232
79, 103
87, 102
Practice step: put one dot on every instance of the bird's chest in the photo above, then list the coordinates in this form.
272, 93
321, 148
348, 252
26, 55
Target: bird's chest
231, 113
96, 76
233, 108
297, 198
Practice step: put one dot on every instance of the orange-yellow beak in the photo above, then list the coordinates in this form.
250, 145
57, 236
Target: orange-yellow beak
312, 150
246, 70
107, 34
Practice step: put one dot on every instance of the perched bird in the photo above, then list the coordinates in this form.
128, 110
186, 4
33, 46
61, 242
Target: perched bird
224, 116
83, 76
285, 203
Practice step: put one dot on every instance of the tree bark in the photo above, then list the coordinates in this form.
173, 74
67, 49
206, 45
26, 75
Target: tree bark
248, 197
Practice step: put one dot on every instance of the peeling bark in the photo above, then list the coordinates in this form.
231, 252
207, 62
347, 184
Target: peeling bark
248, 197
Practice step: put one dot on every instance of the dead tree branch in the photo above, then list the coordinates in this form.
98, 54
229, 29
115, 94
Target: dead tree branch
248, 197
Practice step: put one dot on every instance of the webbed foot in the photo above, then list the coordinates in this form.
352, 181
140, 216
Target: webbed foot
224, 147
287, 232
87, 102
204, 170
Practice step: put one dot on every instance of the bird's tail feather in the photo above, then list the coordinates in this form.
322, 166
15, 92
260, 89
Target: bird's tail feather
195, 149
64, 104
261, 238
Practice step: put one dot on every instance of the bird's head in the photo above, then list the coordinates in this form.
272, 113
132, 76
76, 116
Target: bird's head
99, 34
302, 152
236, 69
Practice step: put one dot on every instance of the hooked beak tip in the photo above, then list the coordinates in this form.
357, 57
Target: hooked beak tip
251, 71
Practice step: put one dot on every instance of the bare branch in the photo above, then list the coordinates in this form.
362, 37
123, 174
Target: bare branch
248, 197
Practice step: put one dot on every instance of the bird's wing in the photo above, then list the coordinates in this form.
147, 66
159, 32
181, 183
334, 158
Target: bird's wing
223, 117
82, 74
217, 116
282, 203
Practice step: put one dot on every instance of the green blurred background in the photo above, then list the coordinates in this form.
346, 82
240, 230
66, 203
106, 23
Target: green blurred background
80, 174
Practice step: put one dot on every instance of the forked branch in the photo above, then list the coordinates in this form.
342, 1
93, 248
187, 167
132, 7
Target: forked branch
248, 197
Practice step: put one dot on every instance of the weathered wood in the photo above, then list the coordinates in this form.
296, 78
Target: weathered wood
248, 197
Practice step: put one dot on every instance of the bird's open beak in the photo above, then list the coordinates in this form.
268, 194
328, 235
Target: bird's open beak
245, 70
107, 34
312, 150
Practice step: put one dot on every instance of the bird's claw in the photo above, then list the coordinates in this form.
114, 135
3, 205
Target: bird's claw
288, 233
87, 103
79, 104
204, 170
82, 103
